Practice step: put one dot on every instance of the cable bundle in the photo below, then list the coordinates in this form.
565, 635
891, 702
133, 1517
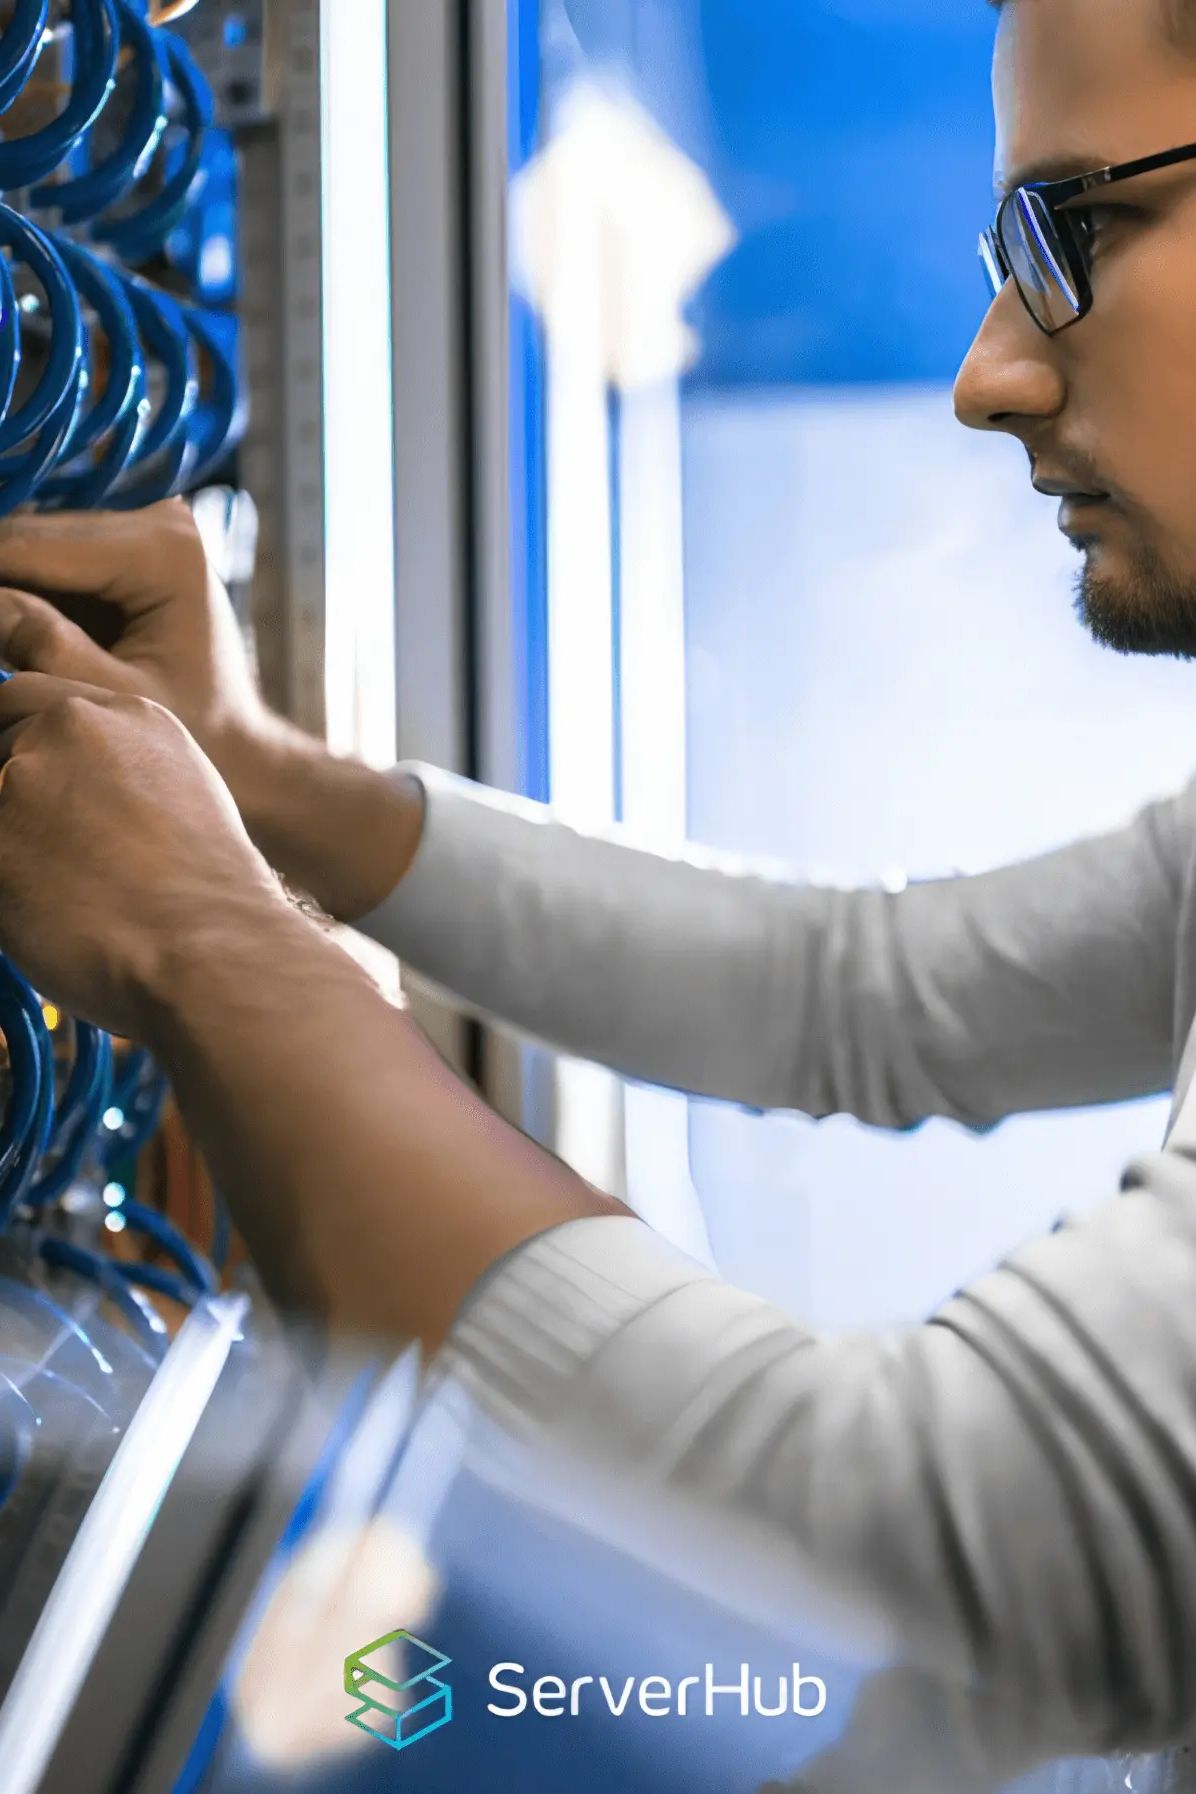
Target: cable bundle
80, 1335
52, 1140
119, 385
116, 389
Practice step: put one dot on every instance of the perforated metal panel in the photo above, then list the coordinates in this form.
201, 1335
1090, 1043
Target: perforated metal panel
283, 456
228, 37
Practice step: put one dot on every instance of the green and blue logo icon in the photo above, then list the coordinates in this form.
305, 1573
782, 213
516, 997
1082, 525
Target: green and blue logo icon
398, 1713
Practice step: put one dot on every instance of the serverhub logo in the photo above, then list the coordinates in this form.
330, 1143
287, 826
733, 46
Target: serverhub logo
657, 1697
401, 1712
402, 1723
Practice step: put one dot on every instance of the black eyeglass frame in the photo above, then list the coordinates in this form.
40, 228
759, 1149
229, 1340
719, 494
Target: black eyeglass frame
1069, 228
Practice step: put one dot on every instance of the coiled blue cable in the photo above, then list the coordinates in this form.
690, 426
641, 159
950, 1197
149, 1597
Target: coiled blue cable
139, 1105
90, 486
133, 1070
164, 455
10, 338
45, 420
158, 1282
78, 1119
106, 403
169, 406
22, 475
87, 431
115, 416
203, 250
138, 235
89, 1086
220, 412
30, 1118
24, 161
105, 179
57, 388
20, 47
194, 1267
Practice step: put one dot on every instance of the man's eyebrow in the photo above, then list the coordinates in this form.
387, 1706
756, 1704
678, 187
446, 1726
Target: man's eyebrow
1048, 168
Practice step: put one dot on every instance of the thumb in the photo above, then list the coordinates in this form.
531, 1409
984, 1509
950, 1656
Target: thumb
36, 638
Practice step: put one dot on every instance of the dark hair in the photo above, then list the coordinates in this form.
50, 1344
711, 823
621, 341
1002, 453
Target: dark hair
1179, 22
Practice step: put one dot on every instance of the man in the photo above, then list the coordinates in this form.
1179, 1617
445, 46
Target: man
1012, 1487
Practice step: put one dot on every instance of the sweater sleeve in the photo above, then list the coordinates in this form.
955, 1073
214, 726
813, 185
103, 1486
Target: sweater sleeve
1043, 985
1008, 1490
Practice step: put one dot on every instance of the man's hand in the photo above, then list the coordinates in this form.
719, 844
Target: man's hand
128, 604
119, 849
143, 584
372, 1187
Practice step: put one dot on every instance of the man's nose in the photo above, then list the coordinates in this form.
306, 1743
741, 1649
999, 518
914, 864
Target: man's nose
1011, 378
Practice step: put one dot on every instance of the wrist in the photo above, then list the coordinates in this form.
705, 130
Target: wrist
206, 976
254, 756
337, 829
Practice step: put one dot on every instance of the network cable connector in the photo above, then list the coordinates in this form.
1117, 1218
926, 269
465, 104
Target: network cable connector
383, 1712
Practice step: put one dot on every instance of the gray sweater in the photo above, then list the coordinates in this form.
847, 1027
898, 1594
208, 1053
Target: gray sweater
1010, 1486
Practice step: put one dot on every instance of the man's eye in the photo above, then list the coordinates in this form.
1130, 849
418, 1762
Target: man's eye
1099, 217
1094, 222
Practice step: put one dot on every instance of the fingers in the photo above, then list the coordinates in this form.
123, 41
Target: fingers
10, 740
27, 696
136, 560
34, 637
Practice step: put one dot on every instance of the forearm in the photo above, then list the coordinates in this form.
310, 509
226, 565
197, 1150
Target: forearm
1035, 986
336, 829
1040, 985
372, 1187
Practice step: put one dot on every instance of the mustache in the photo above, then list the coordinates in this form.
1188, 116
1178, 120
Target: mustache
1071, 468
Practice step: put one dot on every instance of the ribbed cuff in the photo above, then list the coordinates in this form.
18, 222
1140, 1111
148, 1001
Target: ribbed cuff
466, 831
537, 1323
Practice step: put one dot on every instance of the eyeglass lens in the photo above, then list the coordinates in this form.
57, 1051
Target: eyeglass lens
1038, 260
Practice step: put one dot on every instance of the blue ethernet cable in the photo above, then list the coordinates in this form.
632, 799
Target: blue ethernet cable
24, 161
146, 1326
160, 1282
79, 1115
58, 385
134, 1066
20, 47
82, 433
152, 1225
10, 337
33, 434
104, 180
25, 1131
114, 412
139, 235
140, 1101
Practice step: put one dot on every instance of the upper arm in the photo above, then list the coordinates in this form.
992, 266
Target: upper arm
1008, 1492
1042, 985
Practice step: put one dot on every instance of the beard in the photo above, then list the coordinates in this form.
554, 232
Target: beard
1145, 610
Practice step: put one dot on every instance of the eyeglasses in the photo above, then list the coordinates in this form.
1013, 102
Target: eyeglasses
1048, 252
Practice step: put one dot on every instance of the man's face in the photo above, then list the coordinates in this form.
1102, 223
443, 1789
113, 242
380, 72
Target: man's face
1109, 405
